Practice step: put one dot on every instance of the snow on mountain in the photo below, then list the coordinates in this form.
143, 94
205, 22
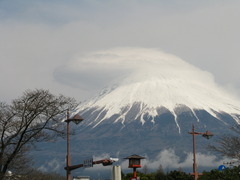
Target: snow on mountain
161, 80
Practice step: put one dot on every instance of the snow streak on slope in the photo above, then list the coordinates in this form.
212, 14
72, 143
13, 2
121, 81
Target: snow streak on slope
161, 80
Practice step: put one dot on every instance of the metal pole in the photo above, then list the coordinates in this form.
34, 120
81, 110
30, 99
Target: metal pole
68, 148
135, 173
194, 155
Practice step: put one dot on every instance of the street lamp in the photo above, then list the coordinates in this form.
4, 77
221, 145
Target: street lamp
76, 119
134, 162
206, 135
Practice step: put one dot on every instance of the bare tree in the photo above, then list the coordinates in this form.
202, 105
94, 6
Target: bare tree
145, 169
34, 117
228, 145
160, 169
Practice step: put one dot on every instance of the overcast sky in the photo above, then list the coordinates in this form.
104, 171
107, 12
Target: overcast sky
40, 40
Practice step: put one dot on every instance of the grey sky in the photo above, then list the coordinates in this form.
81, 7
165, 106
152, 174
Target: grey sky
40, 40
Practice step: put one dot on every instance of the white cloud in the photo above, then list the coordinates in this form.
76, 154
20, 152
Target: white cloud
106, 65
37, 38
54, 165
166, 158
169, 161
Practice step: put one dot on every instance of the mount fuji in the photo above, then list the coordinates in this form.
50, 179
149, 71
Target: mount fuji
151, 108
155, 106
166, 84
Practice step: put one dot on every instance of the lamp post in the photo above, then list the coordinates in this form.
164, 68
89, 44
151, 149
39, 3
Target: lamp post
206, 135
134, 162
76, 119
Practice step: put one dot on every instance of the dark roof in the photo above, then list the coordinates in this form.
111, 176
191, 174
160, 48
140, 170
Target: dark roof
134, 156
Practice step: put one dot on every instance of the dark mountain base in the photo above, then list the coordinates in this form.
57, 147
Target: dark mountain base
149, 139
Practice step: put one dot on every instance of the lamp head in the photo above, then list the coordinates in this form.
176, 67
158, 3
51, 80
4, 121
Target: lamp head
76, 119
207, 135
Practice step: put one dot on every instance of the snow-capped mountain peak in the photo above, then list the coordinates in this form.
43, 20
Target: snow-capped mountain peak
166, 81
